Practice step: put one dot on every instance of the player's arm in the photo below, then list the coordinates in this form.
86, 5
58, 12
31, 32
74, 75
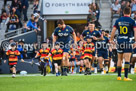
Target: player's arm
54, 40
82, 38
55, 34
5, 56
37, 55
135, 37
74, 36
113, 33
98, 38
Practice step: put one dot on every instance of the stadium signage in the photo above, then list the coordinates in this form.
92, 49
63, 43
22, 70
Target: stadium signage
59, 7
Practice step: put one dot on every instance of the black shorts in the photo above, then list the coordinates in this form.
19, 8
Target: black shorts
11, 66
58, 62
71, 59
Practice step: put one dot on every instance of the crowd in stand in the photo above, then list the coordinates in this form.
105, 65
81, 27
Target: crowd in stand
15, 15
118, 6
94, 14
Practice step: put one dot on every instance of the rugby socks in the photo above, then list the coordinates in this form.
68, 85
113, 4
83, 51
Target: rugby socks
65, 69
127, 64
81, 68
119, 71
101, 69
87, 69
73, 68
115, 65
95, 63
69, 68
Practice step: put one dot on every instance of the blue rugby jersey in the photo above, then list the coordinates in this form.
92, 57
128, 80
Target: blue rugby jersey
95, 33
102, 45
64, 35
125, 26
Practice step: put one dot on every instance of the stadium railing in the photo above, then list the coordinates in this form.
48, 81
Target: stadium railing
13, 33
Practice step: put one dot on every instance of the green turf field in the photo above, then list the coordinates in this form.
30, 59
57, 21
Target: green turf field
69, 83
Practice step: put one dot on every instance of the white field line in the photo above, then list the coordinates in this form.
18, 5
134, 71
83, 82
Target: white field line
31, 75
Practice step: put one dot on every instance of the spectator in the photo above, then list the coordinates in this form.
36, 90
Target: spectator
37, 23
7, 8
96, 11
20, 48
91, 18
32, 16
25, 28
86, 27
135, 16
35, 7
25, 8
116, 8
133, 5
15, 4
123, 5
32, 25
78, 36
10, 41
4, 17
13, 22
35, 49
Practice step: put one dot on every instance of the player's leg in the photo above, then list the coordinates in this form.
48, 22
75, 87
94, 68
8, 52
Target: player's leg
133, 60
70, 65
85, 62
95, 64
106, 61
90, 66
110, 57
87, 67
73, 66
44, 67
100, 60
81, 65
119, 65
59, 67
14, 71
78, 63
64, 69
127, 57
115, 59
106, 64
56, 68
66, 63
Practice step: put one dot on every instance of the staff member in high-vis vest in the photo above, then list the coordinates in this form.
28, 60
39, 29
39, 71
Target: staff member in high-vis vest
13, 54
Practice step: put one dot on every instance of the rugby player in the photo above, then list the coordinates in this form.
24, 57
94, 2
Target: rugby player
62, 35
13, 54
44, 54
88, 51
126, 28
57, 55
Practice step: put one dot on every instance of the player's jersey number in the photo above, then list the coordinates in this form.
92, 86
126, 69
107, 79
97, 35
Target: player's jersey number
123, 30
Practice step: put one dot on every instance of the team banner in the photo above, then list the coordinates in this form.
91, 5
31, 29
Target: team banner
62, 7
